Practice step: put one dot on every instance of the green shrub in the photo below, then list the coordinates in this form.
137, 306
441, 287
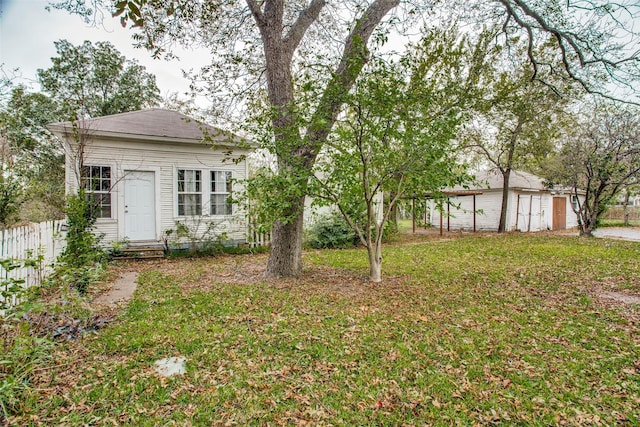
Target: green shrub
203, 236
331, 231
80, 261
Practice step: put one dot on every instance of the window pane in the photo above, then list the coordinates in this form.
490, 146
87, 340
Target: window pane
105, 206
228, 206
180, 179
228, 181
96, 180
106, 184
191, 181
189, 204
220, 189
221, 182
189, 185
220, 205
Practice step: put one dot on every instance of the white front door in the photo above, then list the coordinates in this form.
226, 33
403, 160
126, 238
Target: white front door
139, 205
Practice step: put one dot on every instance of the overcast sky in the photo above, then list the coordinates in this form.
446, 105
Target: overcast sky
27, 33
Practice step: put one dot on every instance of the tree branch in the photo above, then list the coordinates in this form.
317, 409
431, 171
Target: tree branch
568, 43
307, 17
355, 55
256, 12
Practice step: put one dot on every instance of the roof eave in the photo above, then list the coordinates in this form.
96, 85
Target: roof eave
65, 131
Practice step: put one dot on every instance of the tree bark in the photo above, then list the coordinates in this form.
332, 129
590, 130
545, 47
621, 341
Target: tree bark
375, 261
625, 211
286, 246
506, 176
285, 258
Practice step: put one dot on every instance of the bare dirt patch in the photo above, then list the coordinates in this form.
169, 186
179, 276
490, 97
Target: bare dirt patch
620, 297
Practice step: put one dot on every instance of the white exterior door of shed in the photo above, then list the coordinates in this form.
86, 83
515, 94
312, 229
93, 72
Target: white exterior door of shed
139, 205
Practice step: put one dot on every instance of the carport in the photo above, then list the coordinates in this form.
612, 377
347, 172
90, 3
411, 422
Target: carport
449, 194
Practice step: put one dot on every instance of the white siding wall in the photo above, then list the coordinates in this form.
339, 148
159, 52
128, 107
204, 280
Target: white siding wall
164, 159
534, 212
461, 212
572, 218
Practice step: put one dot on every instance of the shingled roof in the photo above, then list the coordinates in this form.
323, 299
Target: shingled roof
155, 123
518, 180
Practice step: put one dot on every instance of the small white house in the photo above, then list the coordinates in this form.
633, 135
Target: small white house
148, 169
531, 205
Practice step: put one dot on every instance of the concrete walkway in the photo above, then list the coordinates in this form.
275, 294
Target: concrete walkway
121, 291
622, 233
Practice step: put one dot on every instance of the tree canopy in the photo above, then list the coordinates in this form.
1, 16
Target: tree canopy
396, 136
96, 80
264, 48
516, 120
599, 157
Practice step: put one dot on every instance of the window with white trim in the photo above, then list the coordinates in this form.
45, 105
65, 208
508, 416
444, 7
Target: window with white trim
221, 193
189, 192
96, 182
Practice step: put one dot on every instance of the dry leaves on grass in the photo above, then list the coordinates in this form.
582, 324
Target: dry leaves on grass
203, 274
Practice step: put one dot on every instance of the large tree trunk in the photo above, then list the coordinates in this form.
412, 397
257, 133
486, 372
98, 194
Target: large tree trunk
506, 175
298, 160
589, 220
285, 258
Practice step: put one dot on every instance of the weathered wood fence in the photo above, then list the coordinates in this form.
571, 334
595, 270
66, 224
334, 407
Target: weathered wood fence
40, 242
256, 238
631, 213
260, 239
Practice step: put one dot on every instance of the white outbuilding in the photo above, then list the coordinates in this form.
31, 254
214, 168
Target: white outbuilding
532, 206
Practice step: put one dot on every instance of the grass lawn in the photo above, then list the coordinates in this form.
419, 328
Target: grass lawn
481, 330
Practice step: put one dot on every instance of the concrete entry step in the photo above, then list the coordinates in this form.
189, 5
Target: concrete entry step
140, 252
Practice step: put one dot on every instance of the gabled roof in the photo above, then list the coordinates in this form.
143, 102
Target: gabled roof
152, 124
518, 180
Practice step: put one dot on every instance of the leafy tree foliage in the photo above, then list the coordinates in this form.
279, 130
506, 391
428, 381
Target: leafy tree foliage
516, 121
37, 159
267, 47
10, 197
396, 136
96, 80
600, 156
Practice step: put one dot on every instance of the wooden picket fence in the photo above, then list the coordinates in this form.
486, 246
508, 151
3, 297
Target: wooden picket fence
42, 242
257, 238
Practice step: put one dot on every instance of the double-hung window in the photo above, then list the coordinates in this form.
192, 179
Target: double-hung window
221, 193
96, 181
189, 192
